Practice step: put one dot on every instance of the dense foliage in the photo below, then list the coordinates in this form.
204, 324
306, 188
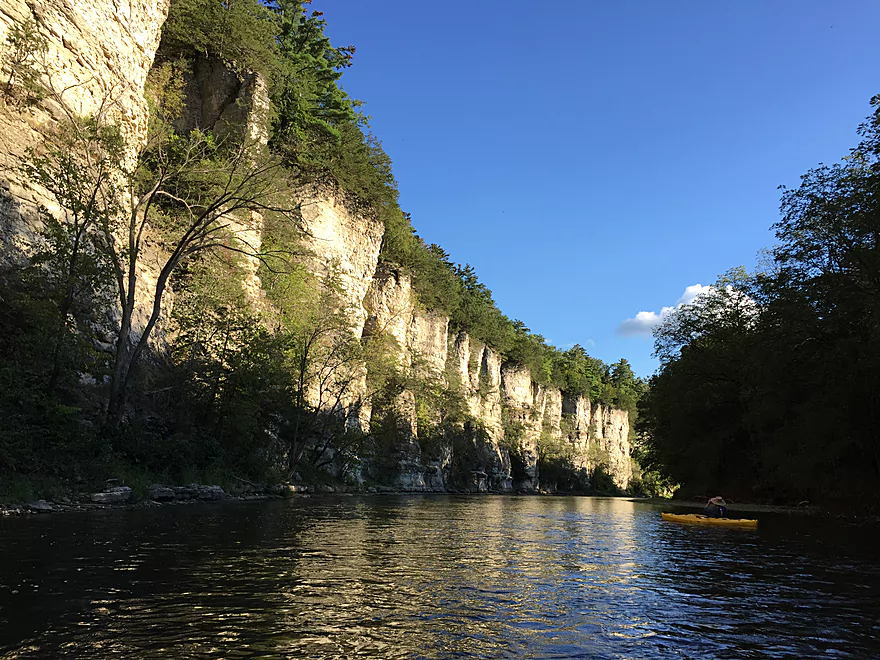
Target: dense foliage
769, 384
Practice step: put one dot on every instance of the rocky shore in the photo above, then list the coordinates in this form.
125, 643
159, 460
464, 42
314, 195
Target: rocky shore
114, 496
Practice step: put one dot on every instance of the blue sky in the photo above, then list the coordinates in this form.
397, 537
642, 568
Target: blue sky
592, 160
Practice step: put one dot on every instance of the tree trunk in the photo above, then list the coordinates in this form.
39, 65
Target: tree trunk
116, 404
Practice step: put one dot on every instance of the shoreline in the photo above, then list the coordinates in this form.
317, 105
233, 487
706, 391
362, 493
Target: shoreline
193, 494
118, 498
745, 507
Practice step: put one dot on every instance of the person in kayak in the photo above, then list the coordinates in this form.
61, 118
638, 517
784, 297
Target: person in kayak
716, 507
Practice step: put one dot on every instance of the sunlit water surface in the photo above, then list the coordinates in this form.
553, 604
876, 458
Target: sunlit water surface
433, 577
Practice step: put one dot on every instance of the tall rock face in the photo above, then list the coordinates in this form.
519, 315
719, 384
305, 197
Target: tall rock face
524, 412
225, 102
597, 435
477, 370
97, 58
232, 106
101, 52
343, 243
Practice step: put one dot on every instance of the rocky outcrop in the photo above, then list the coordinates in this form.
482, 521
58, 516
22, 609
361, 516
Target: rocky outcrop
230, 104
233, 106
195, 492
524, 412
342, 243
100, 54
612, 439
115, 495
95, 63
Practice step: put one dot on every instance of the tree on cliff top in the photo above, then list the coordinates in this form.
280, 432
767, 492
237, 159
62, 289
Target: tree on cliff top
240, 32
320, 132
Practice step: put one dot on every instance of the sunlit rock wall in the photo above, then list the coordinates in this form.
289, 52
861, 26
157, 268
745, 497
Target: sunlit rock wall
98, 57
612, 437
343, 243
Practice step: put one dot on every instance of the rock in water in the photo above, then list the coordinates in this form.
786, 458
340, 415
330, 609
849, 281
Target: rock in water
160, 493
40, 506
117, 495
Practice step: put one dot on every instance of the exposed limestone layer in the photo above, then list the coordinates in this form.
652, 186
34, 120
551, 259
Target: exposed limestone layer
343, 244
232, 106
96, 63
478, 372
225, 102
611, 435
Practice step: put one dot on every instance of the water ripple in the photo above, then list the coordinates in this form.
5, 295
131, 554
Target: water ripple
432, 577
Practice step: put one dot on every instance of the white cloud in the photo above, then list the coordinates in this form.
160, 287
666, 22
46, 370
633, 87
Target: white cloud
690, 293
643, 323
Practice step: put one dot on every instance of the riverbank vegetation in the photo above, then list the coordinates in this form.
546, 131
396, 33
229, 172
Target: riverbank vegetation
769, 386
235, 390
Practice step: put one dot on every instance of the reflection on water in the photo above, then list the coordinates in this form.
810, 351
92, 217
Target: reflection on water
432, 577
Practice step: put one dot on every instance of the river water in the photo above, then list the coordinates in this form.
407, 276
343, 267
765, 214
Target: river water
433, 577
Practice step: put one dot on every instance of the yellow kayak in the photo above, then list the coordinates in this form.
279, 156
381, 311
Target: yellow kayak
706, 520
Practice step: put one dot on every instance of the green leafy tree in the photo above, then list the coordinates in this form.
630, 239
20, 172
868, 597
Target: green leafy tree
241, 33
768, 385
23, 57
578, 373
311, 107
186, 189
78, 168
697, 398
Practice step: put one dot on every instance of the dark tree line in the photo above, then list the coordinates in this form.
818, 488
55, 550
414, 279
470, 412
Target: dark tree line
769, 385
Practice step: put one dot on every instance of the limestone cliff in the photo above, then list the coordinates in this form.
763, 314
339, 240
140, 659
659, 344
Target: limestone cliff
98, 58
502, 397
96, 62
